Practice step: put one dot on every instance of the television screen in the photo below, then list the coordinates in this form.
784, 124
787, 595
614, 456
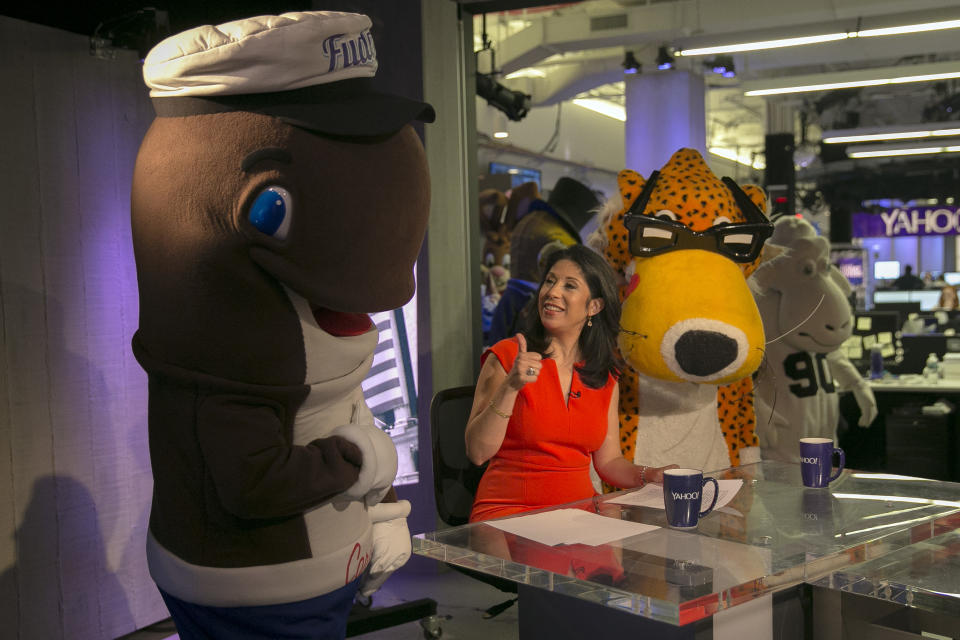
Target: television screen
928, 298
891, 296
886, 270
852, 268
518, 175
952, 277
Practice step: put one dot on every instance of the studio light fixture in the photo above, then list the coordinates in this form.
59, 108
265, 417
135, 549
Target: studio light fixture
630, 64
515, 104
664, 59
722, 66
818, 39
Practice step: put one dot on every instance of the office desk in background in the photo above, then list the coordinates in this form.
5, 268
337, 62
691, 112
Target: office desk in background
903, 439
774, 538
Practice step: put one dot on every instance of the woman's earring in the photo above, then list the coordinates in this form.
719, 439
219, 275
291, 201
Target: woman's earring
589, 321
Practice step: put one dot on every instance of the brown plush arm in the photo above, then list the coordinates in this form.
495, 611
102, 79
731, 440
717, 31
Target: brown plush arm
256, 471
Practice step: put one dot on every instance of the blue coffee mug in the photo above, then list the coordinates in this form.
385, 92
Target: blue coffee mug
816, 461
682, 494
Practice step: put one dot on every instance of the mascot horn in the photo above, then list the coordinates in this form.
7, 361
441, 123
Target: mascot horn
277, 199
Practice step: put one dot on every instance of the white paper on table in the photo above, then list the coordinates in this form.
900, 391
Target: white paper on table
651, 495
570, 526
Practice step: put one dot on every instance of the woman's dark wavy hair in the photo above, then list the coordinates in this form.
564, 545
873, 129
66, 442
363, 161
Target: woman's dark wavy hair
598, 344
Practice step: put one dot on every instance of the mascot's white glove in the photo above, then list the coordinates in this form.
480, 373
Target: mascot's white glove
391, 543
867, 403
749, 455
379, 462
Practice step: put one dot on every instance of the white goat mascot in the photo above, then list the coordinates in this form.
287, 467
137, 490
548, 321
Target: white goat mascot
803, 301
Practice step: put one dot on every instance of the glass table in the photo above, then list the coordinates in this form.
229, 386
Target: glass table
921, 580
775, 534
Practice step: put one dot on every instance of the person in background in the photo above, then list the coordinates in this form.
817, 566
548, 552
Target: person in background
546, 403
908, 280
948, 298
557, 220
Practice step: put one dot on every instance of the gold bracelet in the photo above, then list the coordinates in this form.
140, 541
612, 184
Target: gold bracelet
505, 416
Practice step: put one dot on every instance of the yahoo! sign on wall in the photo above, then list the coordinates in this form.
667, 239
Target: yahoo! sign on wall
913, 221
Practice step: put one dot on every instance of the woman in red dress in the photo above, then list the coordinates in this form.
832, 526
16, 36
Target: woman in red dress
545, 406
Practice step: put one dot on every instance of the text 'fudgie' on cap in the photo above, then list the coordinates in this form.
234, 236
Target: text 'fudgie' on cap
312, 69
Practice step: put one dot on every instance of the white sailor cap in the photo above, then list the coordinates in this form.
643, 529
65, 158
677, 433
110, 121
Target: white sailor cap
312, 69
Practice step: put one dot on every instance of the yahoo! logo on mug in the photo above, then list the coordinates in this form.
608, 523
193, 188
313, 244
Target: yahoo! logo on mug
816, 461
682, 490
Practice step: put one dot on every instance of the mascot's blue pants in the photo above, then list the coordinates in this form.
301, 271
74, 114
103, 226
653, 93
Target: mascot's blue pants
322, 617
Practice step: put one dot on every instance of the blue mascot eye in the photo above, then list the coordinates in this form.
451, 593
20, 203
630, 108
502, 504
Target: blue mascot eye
272, 211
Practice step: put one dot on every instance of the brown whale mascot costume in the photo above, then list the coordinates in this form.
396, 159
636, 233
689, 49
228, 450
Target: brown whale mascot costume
277, 199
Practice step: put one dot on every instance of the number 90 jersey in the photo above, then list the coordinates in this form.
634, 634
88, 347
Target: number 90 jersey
796, 396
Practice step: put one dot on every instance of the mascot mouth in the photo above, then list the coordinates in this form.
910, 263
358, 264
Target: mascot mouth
341, 323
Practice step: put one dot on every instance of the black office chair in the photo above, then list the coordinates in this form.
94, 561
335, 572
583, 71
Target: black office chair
455, 478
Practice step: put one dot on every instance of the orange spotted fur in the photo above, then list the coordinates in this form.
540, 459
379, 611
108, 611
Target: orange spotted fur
735, 400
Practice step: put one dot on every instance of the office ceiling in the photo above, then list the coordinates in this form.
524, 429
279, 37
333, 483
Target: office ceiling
579, 48
575, 49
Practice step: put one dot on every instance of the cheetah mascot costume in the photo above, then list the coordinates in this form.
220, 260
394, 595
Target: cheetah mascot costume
260, 249
684, 242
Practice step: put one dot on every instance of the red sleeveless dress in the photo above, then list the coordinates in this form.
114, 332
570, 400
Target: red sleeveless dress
546, 453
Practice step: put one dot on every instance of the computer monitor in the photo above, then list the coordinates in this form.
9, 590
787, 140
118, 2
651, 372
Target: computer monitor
916, 349
928, 298
870, 328
875, 322
891, 296
886, 270
518, 175
903, 309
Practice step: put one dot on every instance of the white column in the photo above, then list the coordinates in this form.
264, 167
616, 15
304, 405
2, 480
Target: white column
453, 234
665, 112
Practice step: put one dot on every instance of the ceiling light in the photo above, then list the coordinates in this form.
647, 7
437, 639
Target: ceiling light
605, 107
926, 72
830, 86
909, 28
833, 137
664, 59
528, 72
866, 151
818, 39
500, 131
765, 44
630, 64
745, 158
